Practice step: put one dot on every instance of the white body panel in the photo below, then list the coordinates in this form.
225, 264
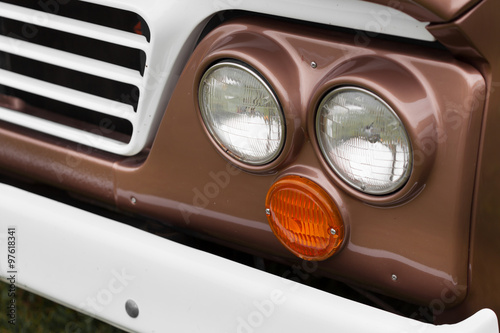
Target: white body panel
95, 265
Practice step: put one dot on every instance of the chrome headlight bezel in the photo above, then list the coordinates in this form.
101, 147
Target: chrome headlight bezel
403, 178
238, 66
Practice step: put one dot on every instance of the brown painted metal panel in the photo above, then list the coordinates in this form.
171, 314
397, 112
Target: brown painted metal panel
474, 37
419, 233
60, 163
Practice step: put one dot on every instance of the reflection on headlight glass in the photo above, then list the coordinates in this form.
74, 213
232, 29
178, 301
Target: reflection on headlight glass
242, 113
363, 140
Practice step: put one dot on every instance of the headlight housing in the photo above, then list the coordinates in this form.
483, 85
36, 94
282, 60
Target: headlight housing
363, 140
242, 113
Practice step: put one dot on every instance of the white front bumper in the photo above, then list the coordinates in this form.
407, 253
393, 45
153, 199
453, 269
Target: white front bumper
94, 265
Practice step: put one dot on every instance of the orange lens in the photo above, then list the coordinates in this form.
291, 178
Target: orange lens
304, 218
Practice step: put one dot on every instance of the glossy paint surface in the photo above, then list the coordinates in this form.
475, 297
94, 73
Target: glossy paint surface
419, 233
176, 288
473, 37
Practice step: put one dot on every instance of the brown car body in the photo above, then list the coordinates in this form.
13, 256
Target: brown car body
437, 235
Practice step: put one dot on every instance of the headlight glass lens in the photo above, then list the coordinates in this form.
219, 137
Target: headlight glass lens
242, 113
363, 140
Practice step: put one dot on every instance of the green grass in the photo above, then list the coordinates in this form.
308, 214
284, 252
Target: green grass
39, 315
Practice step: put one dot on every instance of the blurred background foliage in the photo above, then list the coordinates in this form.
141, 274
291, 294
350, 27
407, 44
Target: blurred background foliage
36, 314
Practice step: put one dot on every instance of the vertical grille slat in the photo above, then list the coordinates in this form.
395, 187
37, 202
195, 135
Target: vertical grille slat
77, 73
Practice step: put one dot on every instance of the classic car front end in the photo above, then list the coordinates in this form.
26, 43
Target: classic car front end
353, 142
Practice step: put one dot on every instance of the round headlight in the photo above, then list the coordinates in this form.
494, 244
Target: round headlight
363, 140
242, 113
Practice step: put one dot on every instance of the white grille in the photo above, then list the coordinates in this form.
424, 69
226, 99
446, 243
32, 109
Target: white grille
87, 66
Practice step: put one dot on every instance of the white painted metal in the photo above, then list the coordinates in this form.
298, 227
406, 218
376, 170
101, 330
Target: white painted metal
175, 27
63, 131
354, 14
70, 61
72, 26
75, 62
95, 265
67, 95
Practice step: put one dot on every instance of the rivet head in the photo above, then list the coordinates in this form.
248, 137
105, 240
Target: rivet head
333, 231
268, 211
394, 277
132, 308
314, 64
133, 200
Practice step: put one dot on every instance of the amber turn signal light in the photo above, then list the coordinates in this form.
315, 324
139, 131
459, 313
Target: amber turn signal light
304, 218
